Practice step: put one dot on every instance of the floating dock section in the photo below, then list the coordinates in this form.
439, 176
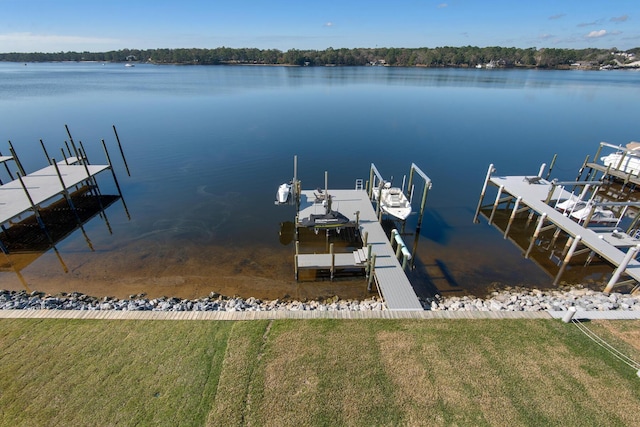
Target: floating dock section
535, 196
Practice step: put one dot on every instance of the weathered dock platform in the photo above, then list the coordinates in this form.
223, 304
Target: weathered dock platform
533, 195
392, 282
41, 186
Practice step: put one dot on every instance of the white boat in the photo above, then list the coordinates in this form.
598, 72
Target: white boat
283, 193
627, 162
600, 216
570, 204
393, 201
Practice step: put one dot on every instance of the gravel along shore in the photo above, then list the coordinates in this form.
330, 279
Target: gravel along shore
512, 299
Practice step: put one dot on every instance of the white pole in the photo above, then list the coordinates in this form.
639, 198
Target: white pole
495, 204
544, 165
622, 267
513, 215
569, 315
567, 258
484, 189
535, 234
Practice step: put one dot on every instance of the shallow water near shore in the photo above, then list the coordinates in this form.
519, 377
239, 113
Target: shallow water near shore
208, 146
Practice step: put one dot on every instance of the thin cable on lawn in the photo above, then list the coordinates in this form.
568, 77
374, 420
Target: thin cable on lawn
602, 343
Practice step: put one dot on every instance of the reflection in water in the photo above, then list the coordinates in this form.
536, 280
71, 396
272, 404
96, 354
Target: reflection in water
287, 231
209, 145
26, 241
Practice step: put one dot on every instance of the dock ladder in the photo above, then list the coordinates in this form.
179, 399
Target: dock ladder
359, 184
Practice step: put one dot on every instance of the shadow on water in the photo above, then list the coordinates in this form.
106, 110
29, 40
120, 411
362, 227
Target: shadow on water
436, 227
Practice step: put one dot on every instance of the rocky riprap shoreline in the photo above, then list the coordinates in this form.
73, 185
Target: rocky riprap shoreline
524, 299
511, 299
21, 300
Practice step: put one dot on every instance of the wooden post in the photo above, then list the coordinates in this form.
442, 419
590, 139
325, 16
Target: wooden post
333, 260
621, 268
567, 258
425, 191
295, 259
371, 182
553, 162
536, 233
368, 264
584, 164
121, 152
587, 220
372, 271
484, 189
410, 183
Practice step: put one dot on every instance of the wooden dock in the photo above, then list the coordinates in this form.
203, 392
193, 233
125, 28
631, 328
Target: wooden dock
392, 282
533, 194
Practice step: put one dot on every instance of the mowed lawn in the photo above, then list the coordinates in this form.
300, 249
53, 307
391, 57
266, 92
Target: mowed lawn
316, 372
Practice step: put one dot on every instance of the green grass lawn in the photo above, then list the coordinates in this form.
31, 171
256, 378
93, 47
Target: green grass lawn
314, 372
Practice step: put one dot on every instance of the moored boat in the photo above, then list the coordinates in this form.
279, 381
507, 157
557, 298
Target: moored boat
599, 216
627, 160
392, 201
283, 193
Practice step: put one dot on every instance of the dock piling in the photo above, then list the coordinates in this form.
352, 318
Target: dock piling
372, 271
484, 189
567, 258
496, 203
621, 268
124, 160
106, 152
536, 233
513, 215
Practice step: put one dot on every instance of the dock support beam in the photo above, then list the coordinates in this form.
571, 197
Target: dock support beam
495, 204
484, 189
567, 258
333, 261
536, 233
621, 268
372, 270
513, 216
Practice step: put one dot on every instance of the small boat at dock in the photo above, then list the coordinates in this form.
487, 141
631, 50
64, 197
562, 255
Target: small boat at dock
283, 194
392, 201
627, 160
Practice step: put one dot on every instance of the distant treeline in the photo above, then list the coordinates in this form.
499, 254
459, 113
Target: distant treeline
467, 56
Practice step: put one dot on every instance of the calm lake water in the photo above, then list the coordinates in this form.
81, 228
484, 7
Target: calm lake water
208, 146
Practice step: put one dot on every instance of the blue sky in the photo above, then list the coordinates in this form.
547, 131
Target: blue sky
102, 25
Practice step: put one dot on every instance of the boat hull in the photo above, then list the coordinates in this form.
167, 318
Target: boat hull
630, 163
283, 193
393, 202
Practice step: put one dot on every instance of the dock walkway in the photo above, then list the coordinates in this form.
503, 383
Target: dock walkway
392, 282
42, 186
606, 244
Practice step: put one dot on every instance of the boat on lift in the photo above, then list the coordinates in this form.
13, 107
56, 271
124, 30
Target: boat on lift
599, 216
625, 160
392, 200
329, 220
283, 194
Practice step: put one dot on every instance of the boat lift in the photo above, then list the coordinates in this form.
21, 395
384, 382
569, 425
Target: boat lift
374, 174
